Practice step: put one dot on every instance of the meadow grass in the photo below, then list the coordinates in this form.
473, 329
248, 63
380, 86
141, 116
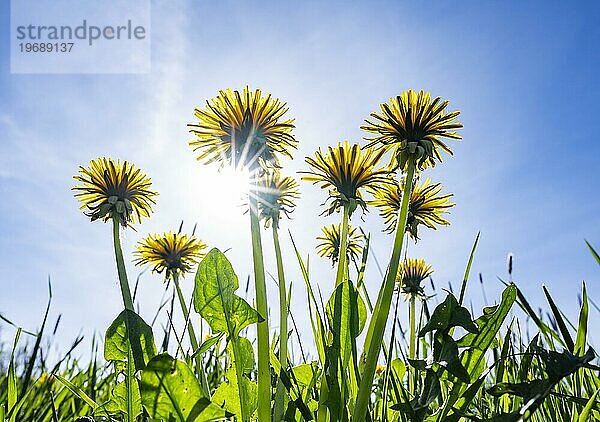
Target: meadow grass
504, 363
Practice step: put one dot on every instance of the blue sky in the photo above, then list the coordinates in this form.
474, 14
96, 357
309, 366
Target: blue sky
523, 75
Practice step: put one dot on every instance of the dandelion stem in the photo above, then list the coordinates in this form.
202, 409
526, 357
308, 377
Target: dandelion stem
283, 327
378, 321
264, 371
237, 360
193, 339
412, 339
341, 270
125, 292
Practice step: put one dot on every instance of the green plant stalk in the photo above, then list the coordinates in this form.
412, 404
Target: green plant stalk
322, 411
412, 344
125, 292
130, 380
338, 373
192, 334
240, 377
128, 302
342, 261
283, 327
264, 371
379, 319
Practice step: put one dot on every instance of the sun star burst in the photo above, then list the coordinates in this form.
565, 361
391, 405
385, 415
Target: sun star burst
243, 129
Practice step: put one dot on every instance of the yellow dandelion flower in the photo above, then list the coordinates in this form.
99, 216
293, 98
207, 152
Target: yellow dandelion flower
426, 206
411, 274
413, 126
345, 170
276, 196
46, 378
114, 189
330, 241
379, 369
174, 253
245, 130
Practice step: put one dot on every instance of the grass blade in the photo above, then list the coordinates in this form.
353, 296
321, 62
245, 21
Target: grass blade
594, 253
12, 377
587, 410
77, 391
38, 341
463, 287
581, 338
564, 331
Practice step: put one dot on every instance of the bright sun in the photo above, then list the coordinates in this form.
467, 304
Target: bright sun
227, 189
